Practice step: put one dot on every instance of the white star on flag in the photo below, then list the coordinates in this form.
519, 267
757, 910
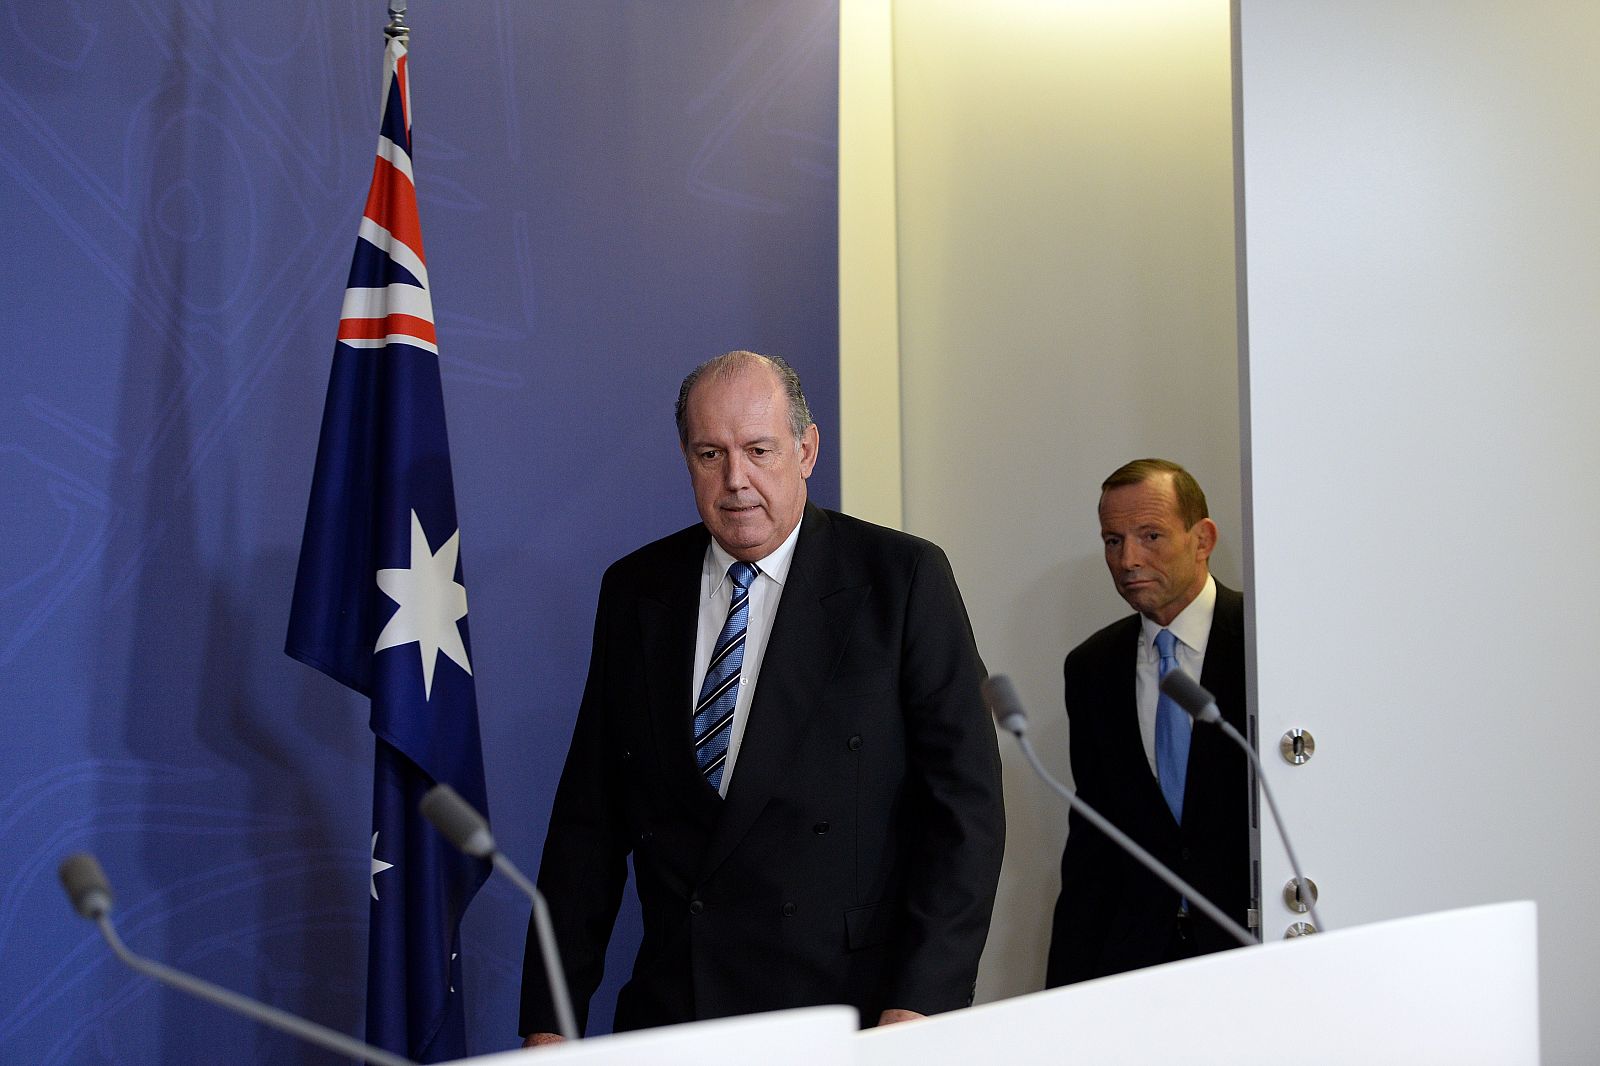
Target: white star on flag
378, 866
431, 602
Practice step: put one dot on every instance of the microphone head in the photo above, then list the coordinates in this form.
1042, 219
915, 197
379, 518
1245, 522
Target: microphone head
86, 885
1188, 693
1005, 704
456, 819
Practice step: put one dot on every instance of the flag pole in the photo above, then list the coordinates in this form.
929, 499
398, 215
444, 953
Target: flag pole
397, 27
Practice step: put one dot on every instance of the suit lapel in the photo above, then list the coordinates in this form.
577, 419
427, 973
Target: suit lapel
668, 623
808, 635
1221, 675
1212, 756
1122, 698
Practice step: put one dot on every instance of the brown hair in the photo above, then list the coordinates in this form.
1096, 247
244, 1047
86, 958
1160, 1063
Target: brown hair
1191, 500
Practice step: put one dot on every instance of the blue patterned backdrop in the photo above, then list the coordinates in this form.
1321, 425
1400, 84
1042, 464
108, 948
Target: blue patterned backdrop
611, 190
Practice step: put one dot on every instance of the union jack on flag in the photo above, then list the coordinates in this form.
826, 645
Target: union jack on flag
380, 602
387, 299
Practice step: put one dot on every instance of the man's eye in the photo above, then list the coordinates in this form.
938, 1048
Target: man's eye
706, 457
759, 452
1112, 542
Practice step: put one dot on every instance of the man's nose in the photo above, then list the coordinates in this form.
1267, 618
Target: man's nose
735, 472
1128, 556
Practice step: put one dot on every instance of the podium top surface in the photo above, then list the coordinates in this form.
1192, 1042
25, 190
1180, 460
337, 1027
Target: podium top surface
802, 1037
1454, 987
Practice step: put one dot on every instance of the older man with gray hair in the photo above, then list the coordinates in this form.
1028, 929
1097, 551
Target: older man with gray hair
782, 725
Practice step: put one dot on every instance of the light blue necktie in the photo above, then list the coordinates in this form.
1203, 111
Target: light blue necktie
713, 711
1172, 733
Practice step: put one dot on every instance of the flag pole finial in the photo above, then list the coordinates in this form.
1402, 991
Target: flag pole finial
397, 27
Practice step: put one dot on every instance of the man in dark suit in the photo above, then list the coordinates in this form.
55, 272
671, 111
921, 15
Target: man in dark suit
1181, 793
822, 821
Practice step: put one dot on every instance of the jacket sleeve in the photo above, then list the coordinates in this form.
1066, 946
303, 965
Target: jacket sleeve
957, 806
1078, 927
584, 867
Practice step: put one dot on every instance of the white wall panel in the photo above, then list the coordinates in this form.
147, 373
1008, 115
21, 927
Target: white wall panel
1423, 277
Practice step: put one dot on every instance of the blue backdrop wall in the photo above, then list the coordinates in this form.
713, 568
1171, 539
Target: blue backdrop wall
611, 191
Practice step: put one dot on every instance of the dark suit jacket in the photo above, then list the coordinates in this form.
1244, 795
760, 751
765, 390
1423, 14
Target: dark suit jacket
855, 857
1113, 915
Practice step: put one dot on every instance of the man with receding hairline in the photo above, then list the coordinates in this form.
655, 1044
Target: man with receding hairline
1181, 793
782, 726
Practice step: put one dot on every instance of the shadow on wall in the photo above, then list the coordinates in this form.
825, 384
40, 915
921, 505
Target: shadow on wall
229, 858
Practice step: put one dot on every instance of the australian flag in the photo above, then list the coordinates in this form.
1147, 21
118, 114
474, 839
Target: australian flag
380, 604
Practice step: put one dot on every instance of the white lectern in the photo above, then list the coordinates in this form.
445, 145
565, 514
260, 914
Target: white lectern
1451, 988
1455, 987
804, 1037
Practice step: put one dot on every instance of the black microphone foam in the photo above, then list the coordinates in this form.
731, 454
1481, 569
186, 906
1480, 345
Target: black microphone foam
1005, 704
1189, 694
86, 885
460, 823
457, 821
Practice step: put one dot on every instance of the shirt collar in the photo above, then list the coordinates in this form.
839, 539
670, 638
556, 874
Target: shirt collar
1192, 626
775, 566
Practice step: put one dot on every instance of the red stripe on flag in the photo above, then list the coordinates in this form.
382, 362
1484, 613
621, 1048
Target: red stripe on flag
392, 204
372, 329
405, 94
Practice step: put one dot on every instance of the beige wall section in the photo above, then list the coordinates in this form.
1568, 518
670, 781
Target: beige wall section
1064, 207
869, 306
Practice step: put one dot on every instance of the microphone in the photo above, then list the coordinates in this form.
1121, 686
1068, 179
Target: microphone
456, 819
1006, 706
1188, 693
1201, 705
86, 885
463, 826
90, 893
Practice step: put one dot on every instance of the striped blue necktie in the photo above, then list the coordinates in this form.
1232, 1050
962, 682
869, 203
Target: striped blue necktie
713, 711
1172, 733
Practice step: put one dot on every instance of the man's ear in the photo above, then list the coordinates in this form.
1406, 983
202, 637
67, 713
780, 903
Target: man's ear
810, 441
1205, 536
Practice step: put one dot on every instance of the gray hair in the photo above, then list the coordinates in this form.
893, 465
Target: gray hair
732, 363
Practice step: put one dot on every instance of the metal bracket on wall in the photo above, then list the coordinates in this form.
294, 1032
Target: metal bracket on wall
1297, 746
1296, 901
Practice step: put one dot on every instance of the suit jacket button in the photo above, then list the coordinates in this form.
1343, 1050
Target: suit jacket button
855, 743
820, 828
644, 837
626, 754
1184, 854
695, 906
788, 910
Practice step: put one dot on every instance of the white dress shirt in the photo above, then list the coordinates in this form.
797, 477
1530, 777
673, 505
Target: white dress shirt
1192, 627
715, 593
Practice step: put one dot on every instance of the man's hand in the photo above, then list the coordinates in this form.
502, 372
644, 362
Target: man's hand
894, 1015
543, 1039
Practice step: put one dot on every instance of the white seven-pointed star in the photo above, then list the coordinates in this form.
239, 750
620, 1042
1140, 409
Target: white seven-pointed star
378, 866
431, 603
